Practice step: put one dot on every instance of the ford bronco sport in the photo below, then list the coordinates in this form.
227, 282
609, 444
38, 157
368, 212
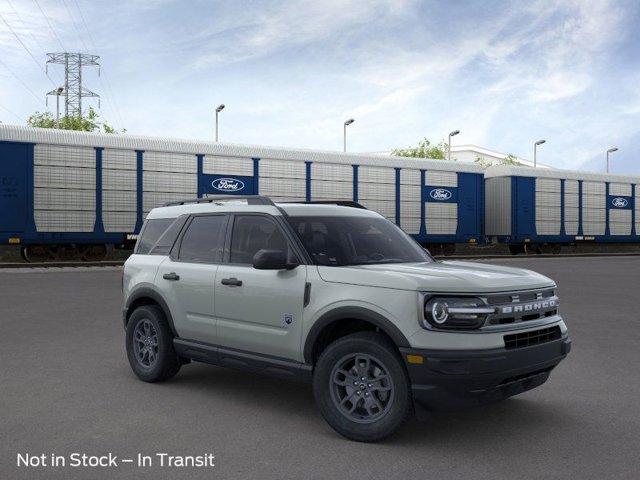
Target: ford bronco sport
338, 296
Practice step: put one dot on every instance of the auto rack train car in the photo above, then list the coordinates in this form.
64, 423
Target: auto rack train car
540, 210
69, 195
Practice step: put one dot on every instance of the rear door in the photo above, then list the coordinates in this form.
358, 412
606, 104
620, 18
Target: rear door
14, 166
186, 278
259, 311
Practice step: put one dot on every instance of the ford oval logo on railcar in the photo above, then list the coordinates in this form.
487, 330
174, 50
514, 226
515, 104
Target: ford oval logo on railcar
228, 184
619, 202
440, 194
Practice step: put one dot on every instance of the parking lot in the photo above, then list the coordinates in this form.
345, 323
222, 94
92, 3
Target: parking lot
66, 387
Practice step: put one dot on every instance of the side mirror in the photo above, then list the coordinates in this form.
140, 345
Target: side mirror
272, 260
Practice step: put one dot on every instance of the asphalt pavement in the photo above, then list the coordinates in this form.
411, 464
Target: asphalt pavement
66, 386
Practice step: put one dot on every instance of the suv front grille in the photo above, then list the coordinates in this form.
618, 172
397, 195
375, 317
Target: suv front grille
534, 337
522, 306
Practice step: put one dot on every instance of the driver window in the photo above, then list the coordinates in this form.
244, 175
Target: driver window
252, 233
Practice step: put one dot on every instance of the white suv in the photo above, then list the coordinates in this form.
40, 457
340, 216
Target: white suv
339, 296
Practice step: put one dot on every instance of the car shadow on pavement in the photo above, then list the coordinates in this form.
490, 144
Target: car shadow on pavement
477, 426
248, 390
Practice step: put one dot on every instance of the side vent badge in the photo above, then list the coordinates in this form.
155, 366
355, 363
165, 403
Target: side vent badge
287, 320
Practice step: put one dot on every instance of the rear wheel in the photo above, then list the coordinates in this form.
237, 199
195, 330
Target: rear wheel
361, 387
150, 345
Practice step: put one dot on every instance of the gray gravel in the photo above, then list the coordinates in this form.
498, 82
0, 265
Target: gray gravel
66, 387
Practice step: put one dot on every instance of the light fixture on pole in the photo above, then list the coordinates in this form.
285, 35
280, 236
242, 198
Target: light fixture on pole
344, 133
218, 110
535, 152
57, 92
452, 134
611, 150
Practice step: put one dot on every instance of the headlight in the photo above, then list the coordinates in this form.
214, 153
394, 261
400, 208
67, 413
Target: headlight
455, 313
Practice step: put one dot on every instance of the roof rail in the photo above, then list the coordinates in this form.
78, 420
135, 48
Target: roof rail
341, 203
251, 200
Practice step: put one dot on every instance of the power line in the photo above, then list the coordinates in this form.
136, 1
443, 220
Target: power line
75, 27
106, 85
50, 26
21, 81
24, 26
12, 113
27, 49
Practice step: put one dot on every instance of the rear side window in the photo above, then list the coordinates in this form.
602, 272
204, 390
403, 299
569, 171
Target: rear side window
203, 241
168, 238
150, 234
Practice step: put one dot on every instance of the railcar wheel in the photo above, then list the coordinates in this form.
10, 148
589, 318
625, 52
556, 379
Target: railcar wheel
93, 253
531, 249
516, 249
448, 249
36, 253
545, 248
556, 249
68, 253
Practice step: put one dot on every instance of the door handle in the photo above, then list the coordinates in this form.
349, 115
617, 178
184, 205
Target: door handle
232, 282
171, 276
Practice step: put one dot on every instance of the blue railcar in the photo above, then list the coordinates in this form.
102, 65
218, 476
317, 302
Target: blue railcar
70, 194
541, 210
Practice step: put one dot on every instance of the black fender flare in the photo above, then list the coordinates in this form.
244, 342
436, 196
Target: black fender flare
148, 292
357, 313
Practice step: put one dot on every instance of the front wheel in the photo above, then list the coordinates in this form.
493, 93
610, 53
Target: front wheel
361, 387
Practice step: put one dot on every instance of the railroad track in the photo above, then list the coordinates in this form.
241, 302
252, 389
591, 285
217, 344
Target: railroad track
117, 263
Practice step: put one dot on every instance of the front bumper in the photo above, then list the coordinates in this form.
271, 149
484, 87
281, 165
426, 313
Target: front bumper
453, 379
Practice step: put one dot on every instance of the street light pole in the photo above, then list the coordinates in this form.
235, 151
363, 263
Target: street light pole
59, 90
611, 150
344, 133
452, 134
218, 110
535, 152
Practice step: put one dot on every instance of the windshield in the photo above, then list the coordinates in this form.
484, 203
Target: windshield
341, 241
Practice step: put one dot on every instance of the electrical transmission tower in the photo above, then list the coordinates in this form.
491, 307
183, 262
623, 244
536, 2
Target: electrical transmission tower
73, 91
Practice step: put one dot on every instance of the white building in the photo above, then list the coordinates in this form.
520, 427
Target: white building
469, 154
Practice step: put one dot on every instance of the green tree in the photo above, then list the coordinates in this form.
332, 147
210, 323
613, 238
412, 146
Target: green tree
425, 149
510, 159
89, 123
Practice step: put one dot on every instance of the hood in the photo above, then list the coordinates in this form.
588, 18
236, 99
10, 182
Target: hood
444, 277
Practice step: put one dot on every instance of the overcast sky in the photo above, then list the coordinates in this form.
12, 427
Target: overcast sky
504, 73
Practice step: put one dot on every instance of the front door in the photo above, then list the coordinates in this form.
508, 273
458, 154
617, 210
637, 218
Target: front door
259, 311
187, 278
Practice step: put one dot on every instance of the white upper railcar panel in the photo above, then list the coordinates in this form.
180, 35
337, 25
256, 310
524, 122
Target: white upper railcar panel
511, 171
133, 142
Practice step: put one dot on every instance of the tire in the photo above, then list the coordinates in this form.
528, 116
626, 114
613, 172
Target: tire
368, 422
160, 361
